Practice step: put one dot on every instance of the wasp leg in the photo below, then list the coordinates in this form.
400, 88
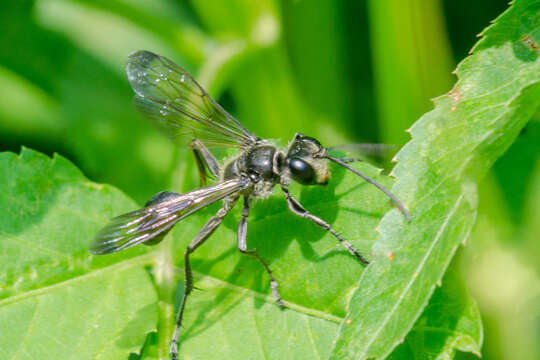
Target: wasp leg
242, 246
299, 210
205, 161
205, 232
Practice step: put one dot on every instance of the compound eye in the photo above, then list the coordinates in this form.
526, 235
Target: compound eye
301, 171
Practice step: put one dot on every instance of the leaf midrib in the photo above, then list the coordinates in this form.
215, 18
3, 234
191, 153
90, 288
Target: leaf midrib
148, 259
122, 265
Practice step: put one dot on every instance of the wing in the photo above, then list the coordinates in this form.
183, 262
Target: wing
157, 218
168, 95
366, 149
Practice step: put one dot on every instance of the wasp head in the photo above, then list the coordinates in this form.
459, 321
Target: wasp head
305, 161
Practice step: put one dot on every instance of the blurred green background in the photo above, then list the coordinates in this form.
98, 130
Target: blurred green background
342, 71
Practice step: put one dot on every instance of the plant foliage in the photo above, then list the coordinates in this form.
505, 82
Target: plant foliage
59, 302
452, 147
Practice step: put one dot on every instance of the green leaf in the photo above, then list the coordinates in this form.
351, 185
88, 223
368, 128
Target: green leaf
452, 147
450, 322
234, 313
56, 300
50, 213
239, 324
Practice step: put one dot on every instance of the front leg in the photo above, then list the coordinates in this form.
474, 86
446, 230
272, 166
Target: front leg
299, 210
206, 162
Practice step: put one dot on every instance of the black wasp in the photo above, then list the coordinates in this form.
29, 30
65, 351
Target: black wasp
167, 94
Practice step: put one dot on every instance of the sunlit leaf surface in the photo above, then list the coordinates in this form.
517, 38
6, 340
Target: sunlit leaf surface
57, 301
50, 214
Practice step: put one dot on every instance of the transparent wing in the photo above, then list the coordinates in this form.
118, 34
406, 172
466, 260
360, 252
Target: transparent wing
377, 150
148, 223
167, 94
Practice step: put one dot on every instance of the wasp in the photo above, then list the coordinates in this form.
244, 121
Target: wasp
170, 97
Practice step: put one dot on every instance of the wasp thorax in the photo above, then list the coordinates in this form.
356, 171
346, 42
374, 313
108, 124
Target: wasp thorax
260, 160
305, 162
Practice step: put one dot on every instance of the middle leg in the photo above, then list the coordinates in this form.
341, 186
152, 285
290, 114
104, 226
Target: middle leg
204, 234
242, 246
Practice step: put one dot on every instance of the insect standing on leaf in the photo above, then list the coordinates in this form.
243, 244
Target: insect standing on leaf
168, 95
